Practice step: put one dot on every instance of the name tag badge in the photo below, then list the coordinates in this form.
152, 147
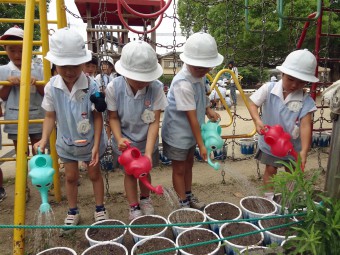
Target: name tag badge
148, 116
84, 126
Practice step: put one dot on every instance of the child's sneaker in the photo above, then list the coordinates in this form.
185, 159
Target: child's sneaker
135, 212
102, 215
3, 194
70, 220
197, 155
146, 206
195, 203
184, 203
166, 161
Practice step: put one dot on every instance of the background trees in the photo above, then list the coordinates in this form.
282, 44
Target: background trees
253, 39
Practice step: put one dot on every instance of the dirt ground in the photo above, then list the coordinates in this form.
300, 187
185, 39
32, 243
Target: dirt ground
236, 178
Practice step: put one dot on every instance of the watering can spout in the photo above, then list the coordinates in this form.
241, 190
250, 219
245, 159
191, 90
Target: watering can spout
158, 189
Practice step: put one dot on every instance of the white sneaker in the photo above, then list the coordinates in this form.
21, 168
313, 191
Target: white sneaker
134, 213
102, 215
70, 220
195, 203
146, 206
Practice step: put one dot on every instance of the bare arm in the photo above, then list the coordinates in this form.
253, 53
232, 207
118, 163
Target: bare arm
254, 113
152, 135
196, 130
98, 127
305, 135
48, 125
116, 130
5, 90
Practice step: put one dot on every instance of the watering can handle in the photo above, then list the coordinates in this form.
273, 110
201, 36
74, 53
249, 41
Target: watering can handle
218, 121
39, 151
127, 145
265, 130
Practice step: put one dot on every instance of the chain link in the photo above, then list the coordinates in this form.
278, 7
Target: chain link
174, 59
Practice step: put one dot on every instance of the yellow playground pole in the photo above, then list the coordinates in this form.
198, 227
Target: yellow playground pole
61, 14
21, 163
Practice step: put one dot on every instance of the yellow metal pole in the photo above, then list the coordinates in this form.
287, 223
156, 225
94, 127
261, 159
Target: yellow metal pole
47, 76
21, 163
61, 14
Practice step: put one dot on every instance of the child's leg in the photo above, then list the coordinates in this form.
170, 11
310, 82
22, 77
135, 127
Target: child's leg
97, 184
179, 178
144, 191
130, 184
268, 173
71, 183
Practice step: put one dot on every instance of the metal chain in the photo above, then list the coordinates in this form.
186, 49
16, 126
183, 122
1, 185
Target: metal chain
174, 59
107, 184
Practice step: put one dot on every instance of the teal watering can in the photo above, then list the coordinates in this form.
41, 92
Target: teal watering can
41, 174
211, 134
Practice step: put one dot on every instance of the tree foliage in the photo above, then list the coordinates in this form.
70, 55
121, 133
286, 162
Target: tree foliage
258, 42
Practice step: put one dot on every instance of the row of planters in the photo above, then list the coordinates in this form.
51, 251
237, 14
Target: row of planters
193, 239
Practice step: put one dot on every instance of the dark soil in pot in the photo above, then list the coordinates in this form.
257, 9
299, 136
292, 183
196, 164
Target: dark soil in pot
233, 229
106, 234
146, 220
222, 211
285, 231
258, 205
60, 251
183, 216
155, 244
105, 249
197, 236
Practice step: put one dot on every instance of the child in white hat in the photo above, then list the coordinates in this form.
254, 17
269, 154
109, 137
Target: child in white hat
285, 103
135, 101
80, 126
12, 73
186, 112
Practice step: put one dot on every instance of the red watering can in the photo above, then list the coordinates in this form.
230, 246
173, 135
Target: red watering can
138, 165
279, 141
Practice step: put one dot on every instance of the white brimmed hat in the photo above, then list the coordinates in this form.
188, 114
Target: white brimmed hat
139, 62
108, 59
201, 50
67, 47
300, 64
273, 78
13, 31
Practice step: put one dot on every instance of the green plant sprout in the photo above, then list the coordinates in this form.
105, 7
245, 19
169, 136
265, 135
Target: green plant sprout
319, 230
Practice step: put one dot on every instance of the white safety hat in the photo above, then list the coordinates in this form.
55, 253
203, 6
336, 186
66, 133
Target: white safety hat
108, 59
273, 78
201, 50
139, 62
67, 47
13, 31
300, 64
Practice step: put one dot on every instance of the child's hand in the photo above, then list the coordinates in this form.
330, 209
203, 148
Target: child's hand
259, 127
41, 145
203, 152
95, 157
122, 146
14, 80
212, 115
33, 80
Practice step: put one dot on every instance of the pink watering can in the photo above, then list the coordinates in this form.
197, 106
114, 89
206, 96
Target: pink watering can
279, 141
211, 135
139, 166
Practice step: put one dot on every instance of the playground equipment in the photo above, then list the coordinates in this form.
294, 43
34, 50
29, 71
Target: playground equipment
279, 141
41, 174
211, 134
139, 166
